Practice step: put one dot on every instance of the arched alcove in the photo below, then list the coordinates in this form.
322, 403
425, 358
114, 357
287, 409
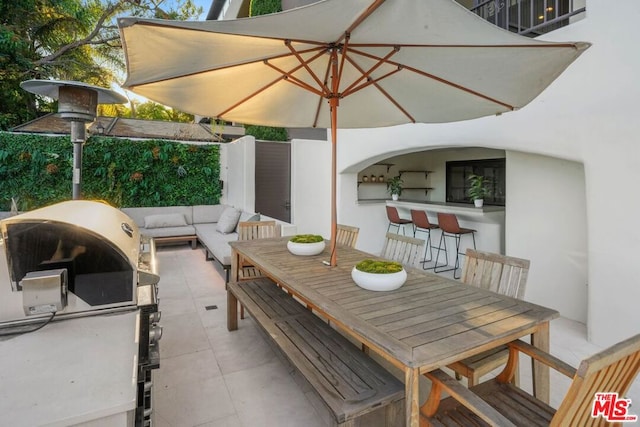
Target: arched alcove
545, 214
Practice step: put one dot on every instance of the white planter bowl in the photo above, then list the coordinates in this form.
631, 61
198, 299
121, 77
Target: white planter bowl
379, 282
305, 249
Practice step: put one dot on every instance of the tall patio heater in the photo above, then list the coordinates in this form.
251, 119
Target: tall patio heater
77, 103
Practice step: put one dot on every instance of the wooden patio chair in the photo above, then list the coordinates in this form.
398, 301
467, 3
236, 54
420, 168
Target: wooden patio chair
250, 230
498, 273
499, 402
406, 250
347, 235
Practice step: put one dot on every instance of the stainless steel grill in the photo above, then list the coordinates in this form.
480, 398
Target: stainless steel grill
82, 258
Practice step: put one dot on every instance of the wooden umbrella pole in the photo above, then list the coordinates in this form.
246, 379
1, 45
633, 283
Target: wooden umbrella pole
334, 102
334, 214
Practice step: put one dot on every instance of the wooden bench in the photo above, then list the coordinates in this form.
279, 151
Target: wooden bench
356, 390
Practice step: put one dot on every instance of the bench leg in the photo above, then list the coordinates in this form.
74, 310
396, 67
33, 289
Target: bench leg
232, 312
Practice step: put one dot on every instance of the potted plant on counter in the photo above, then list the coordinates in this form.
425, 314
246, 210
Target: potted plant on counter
306, 244
478, 190
394, 187
376, 275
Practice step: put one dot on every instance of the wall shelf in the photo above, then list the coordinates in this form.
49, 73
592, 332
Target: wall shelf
425, 172
371, 183
388, 165
426, 189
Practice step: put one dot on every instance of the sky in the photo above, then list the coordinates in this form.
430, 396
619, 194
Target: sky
205, 4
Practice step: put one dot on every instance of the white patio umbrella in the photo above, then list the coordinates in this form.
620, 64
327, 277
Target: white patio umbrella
341, 64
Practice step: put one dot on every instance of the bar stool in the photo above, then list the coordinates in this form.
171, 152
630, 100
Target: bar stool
395, 220
450, 228
421, 223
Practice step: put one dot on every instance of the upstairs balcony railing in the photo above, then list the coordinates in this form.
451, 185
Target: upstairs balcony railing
529, 17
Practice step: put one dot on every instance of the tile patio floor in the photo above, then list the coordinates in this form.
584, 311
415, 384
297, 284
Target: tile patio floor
211, 377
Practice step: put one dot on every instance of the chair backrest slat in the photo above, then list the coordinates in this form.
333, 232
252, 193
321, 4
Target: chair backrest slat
498, 273
612, 370
250, 230
403, 249
347, 235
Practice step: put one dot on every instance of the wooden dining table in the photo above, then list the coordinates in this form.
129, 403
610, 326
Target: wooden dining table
428, 323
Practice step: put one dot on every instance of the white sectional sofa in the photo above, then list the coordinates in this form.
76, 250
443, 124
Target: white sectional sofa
214, 226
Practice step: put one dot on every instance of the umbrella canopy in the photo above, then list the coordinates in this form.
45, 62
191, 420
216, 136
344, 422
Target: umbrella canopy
378, 62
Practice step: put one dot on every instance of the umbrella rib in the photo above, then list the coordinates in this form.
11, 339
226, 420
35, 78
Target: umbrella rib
320, 99
472, 46
365, 75
320, 51
288, 75
248, 97
284, 76
369, 82
439, 79
384, 92
305, 64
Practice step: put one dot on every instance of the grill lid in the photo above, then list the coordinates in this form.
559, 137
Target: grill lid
97, 244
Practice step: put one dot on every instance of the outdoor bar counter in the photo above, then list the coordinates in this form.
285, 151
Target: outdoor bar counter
489, 221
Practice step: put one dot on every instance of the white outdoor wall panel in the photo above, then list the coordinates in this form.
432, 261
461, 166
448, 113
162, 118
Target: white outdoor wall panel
546, 223
311, 186
239, 188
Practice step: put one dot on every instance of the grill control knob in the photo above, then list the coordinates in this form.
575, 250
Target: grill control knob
155, 333
155, 317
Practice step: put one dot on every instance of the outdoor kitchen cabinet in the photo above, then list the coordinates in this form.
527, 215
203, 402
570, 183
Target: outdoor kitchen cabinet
71, 372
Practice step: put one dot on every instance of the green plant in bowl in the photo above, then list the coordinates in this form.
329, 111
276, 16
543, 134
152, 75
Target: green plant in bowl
306, 238
306, 244
379, 267
375, 275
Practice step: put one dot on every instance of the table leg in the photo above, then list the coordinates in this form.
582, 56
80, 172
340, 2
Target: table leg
412, 397
232, 311
235, 265
540, 339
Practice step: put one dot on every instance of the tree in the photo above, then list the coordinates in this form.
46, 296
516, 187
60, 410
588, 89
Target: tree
65, 39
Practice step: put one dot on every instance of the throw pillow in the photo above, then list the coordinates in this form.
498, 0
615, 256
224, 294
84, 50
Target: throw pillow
247, 216
228, 220
164, 220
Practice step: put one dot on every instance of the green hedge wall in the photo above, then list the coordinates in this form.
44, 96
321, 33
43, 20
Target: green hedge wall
264, 7
37, 171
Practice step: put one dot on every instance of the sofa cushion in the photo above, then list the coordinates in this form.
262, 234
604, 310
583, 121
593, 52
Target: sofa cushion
207, 213
188, 230
228, 220
164, 220
216, 243
138, 214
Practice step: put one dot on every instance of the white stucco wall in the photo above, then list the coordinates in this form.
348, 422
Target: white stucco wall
588, 115
238, 171
546, 223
